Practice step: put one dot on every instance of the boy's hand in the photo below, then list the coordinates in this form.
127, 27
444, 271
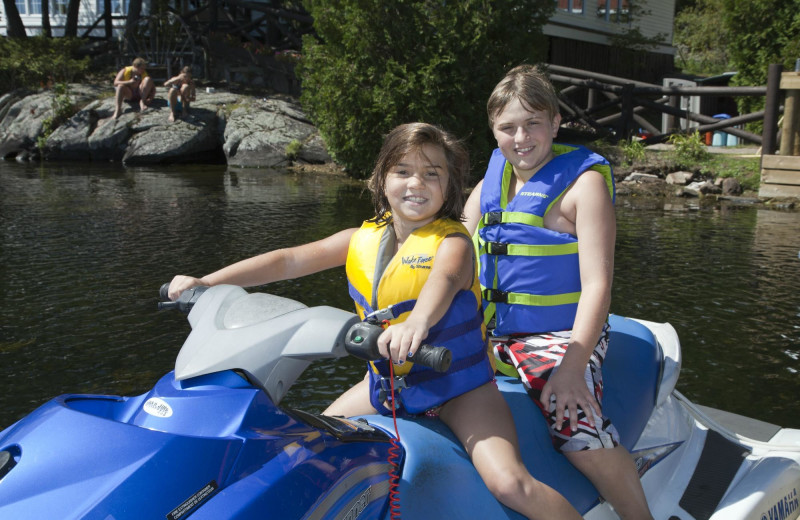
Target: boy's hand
567, 390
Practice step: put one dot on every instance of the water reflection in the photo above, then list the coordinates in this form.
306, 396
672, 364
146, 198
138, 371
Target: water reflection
84, 248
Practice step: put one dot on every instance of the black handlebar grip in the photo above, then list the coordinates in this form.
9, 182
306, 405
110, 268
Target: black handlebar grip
361, 341
437, 358
163, 292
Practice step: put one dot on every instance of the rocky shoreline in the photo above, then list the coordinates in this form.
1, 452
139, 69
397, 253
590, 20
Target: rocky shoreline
242, 130
222, 127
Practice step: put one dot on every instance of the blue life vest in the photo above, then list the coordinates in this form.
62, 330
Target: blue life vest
529, 275
378, 279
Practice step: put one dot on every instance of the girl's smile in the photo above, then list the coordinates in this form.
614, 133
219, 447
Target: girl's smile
415, 187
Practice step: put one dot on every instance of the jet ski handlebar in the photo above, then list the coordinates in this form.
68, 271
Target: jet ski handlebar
361, 341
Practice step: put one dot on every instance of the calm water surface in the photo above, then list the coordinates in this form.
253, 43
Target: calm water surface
84, 248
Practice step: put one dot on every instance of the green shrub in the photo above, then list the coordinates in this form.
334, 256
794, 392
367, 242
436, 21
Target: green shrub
293, 148
690, 149
632, 151
62, 108
38, 61
376, 64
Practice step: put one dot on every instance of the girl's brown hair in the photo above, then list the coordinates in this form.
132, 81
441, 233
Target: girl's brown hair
411, 137
530, 85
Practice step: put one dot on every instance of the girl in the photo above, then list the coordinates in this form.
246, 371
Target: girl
425, 268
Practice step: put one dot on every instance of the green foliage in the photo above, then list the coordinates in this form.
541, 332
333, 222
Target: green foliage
378, 64
764, 32
293, 148
62, 109
689, 149
38, 61
747, 170
632, 151
701, 40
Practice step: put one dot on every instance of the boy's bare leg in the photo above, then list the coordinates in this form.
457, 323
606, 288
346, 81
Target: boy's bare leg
614, 474
122, 93
148, 91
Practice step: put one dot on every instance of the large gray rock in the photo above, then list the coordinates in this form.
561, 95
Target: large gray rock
245, 130
22, 116
260, 133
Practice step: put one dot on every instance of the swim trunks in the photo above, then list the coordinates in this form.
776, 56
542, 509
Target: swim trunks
536, 357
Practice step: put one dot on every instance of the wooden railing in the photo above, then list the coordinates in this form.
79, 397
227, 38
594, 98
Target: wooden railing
624, 100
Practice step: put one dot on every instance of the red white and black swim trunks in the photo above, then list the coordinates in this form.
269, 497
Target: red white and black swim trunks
535, 358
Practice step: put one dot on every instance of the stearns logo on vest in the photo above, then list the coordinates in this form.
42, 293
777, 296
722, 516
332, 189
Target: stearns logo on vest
418, 261
533, 194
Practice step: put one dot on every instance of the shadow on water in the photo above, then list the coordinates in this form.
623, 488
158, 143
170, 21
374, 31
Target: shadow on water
84, 249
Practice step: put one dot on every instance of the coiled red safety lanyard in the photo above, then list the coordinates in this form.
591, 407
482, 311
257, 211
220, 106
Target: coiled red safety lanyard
394, 451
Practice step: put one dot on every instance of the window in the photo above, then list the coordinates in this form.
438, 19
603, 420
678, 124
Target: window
22, 6
59, 7
29, 7
615, 11
117, 6
570, 6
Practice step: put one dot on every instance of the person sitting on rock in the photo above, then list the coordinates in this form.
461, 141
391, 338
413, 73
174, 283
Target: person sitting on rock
134, 84
181, 92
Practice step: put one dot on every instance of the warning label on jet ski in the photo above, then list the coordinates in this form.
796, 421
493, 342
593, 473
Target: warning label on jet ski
193, 501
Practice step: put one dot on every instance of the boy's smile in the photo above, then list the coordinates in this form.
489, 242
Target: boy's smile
525, 137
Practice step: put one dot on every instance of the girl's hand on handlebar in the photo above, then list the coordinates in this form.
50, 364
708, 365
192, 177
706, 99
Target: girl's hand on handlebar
402, 340
180, 283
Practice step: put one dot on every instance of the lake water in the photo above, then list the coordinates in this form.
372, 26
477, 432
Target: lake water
85, 247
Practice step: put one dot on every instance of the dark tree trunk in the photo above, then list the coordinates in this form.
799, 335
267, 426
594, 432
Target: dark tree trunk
14, 25
71, 27
46, 29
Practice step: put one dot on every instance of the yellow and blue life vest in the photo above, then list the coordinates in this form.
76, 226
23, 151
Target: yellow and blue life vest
379, 278
529, 275
127, 74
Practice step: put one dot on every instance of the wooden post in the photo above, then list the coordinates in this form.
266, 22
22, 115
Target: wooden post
790, 144
626, 117
771, 107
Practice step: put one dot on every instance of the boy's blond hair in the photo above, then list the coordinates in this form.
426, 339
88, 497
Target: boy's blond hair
530, 85
139, 63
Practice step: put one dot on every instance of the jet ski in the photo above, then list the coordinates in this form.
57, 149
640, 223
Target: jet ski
211, 441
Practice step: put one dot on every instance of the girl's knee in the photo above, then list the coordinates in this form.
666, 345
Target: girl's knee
509, 486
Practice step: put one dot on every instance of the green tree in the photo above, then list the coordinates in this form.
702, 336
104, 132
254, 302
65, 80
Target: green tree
701, 40
376, 64
762, 32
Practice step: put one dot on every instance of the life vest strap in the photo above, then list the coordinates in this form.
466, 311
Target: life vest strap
505, 248
497, 296
493, 218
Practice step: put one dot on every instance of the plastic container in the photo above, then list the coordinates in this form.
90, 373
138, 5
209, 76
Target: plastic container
721, 138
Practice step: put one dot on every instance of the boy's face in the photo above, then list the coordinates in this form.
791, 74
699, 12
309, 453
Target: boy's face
525, 137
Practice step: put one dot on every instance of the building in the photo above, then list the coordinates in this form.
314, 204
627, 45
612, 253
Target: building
582, 35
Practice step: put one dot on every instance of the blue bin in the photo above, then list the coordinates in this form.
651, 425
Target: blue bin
721, 138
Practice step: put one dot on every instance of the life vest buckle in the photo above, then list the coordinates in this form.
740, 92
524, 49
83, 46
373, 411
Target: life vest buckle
492, 218
495, 296
380, 316
385, 392
497, 248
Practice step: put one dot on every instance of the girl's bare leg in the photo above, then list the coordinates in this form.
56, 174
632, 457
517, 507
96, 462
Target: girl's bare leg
354, 401
482, 421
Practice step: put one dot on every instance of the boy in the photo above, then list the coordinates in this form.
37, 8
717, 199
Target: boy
181, 92
544, 225
134, 84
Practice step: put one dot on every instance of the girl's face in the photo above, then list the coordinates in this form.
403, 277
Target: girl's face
416, 185
525, 137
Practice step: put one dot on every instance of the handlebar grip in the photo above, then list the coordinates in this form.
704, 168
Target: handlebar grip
361, 341
437, 358
163, 292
